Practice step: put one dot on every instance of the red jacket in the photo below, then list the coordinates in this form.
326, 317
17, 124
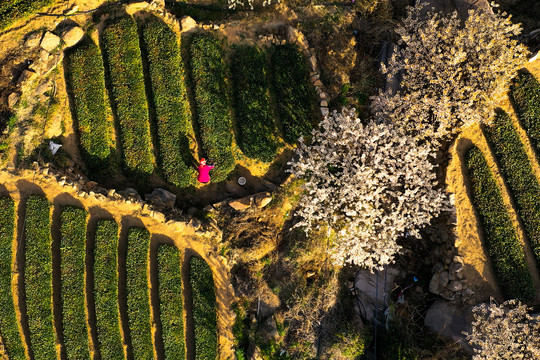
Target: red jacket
204, 173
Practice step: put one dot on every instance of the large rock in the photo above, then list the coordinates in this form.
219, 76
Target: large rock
26, 77
161, 198
262, 199
50, 41
369, 293
33, 39
241, 204
449, 321
188, 23
13, 98
72, 35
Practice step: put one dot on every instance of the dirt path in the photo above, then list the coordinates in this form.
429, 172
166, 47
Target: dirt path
478, 268
184, 236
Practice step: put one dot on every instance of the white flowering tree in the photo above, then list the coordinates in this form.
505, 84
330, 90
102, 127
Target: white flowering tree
504, 331
453, 73
365, 186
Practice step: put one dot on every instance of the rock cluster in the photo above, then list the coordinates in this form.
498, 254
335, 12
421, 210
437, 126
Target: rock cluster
48, 45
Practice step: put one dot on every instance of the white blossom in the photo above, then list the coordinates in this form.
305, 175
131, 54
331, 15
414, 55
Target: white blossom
453, 73
365, 186
233, 4
504, 331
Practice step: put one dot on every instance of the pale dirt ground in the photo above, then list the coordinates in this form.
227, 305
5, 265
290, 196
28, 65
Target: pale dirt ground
127, 215
478, 269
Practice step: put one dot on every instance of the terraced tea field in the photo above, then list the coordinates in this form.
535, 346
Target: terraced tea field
79, 282
501, 174
170, 110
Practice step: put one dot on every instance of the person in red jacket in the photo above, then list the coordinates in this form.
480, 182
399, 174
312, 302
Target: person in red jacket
204, 172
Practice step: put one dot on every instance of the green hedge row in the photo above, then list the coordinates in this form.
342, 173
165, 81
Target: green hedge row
208, 79
106, 290
13, 10
38, 277
123, 65
138, 301
500, 237
86, 83
254, 119
517, 170
204, 309
294, 93
72, 265
525, 94
9, 329
168, 99
171, 305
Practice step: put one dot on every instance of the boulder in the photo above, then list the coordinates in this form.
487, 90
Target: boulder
291, 34
262, 199
188, 23
26, 77
313, 63
324, 103
370, 291
33, 39
455, 286
241, 204
13, 98
162, 198
50, 41
43, 88
324, 111
449, 321
72, 35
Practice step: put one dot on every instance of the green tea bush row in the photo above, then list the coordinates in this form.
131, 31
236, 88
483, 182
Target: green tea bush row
72, 265
123, 64
290, 77
38, 277
208, 79
138, 302
525, 94
518, 172
254, 118
500, 237
168, 97
106, 290
204, 309
86, 83
13, 10
171, 304
9, 329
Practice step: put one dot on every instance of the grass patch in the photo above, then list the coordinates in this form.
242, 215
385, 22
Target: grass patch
38, 277
85, 79
13, 10
73, 250
500, 237
254, 119
169, 102
138, 298
517, 170
204, 309
294, 93
8, 319
171, 304
123, 65
106, 290
214, 123
525, 95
